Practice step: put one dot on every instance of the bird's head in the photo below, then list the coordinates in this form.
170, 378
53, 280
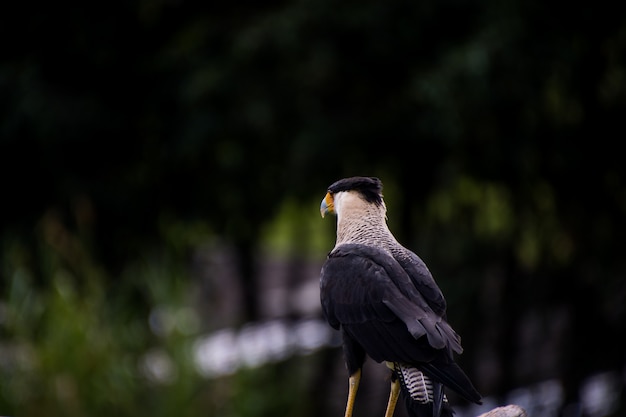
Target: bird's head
357, 190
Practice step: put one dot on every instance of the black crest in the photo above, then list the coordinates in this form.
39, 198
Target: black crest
370, 187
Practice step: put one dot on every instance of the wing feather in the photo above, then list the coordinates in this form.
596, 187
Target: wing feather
423, 280
362, 284
380, 307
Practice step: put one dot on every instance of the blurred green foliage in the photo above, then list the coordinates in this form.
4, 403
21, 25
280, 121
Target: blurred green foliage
79, 346
74, 347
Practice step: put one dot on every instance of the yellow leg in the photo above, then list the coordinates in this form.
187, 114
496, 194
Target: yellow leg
352, 389
393, 398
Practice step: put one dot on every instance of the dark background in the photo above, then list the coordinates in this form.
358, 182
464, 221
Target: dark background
162, 163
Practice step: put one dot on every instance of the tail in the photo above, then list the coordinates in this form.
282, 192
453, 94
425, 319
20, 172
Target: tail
453, 377
422, 396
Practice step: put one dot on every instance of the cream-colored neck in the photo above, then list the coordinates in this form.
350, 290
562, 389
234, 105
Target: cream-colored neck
361, 222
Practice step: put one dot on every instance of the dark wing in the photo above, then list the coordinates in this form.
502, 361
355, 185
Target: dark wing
366, 291
423, 281
370, 297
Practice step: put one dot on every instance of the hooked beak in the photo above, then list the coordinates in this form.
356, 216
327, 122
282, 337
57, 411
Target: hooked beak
327, 205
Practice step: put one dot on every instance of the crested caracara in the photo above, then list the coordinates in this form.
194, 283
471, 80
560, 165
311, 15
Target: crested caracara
386, 304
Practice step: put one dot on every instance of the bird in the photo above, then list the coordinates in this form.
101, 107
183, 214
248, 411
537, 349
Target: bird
387, 306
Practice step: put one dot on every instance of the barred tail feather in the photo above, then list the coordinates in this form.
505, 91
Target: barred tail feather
422, 396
